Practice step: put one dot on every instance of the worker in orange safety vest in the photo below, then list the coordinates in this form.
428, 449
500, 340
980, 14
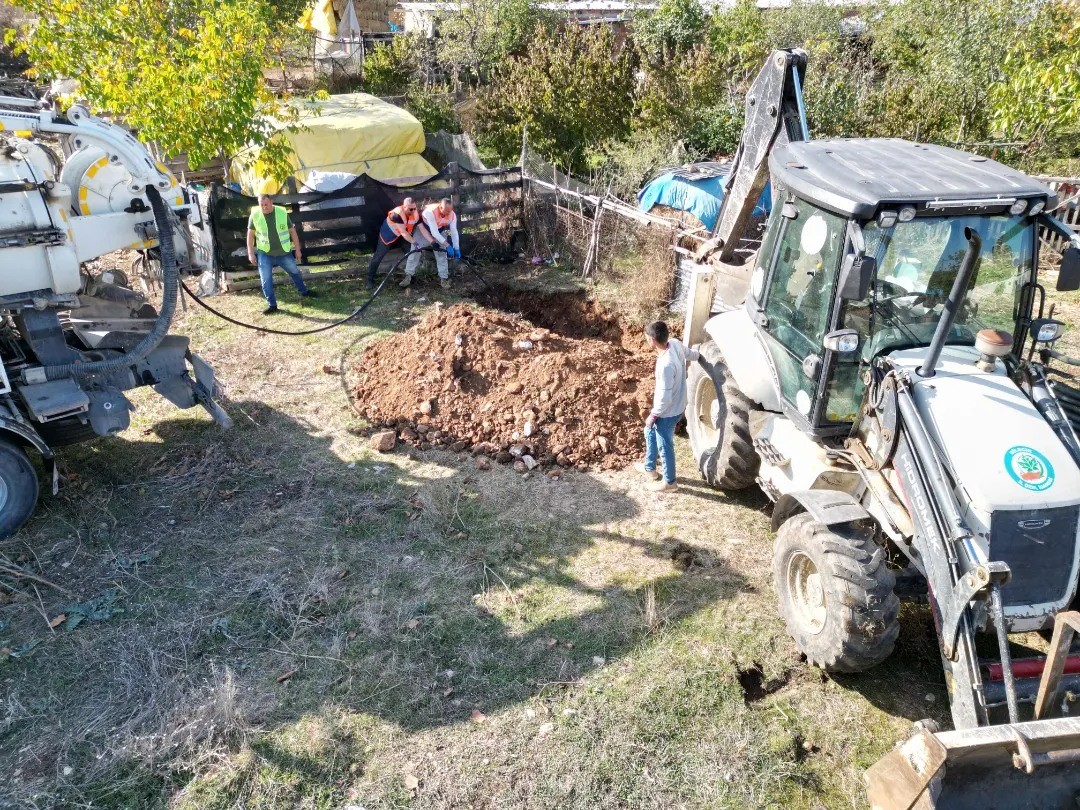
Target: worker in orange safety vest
441, 231
400, 223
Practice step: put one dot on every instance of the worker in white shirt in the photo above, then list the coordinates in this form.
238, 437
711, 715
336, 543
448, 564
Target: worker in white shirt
441, 222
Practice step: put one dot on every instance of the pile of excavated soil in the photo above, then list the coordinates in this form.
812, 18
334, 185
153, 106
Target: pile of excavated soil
571, 387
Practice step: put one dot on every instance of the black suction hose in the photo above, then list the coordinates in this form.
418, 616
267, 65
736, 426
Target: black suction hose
170, 281
355, 313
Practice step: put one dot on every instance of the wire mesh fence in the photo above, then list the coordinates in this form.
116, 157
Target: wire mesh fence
569, 223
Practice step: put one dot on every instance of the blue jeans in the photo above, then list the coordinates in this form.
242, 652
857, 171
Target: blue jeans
267, 263
660, 440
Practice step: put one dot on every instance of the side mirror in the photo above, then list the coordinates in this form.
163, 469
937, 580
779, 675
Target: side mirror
842, 341
856, 273
1069, 272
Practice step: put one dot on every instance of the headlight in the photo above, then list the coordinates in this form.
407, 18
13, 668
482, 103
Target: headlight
907, 213
1037, 208
886, 219
1018, 207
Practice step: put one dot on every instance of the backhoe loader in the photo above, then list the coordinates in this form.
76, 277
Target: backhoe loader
878, 363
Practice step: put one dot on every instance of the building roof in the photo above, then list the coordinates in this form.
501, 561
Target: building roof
854, 176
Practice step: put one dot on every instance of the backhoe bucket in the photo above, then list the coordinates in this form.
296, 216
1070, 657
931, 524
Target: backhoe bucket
1020, 766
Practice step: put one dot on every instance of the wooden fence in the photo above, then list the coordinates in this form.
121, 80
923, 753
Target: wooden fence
334, 225
1068, 191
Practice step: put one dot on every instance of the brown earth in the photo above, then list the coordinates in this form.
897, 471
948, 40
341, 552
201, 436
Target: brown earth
570, 386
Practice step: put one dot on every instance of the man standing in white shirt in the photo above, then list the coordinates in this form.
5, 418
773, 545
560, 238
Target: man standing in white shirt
669, 403
441, 221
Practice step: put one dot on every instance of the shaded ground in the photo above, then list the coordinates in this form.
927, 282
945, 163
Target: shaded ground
283, 620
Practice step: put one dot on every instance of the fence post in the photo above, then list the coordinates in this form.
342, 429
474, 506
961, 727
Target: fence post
454, 170
294, 209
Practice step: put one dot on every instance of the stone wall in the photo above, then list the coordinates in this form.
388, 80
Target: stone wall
373, 15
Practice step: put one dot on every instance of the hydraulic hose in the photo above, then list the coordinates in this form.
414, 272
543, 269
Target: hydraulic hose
326, 327
170, 283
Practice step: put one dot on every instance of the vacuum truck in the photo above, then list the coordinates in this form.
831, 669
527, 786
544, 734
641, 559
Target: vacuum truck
74, 187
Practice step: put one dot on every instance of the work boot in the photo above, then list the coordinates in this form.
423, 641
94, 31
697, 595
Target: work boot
445, 282
652, 475
405, 282
661, 486
370, 284
270, 310
309, 294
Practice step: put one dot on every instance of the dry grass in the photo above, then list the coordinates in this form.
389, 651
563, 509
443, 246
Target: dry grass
306, 624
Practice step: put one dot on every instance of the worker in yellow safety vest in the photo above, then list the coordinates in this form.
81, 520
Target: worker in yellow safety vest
271, 242
441, 231
400, 223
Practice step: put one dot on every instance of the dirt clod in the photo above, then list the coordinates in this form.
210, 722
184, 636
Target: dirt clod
384, 441
550, 402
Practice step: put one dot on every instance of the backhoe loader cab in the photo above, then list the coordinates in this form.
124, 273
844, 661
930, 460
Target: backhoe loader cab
858, 260
885, 382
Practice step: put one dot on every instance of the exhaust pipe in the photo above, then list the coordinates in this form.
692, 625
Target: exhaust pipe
968, 267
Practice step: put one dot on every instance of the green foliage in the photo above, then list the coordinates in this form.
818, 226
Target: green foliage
629, 164
687, 98
390, 70
475, 40
432, 109
1041, 87
738, 39
675, 27
941, 58
571, 89
187, 74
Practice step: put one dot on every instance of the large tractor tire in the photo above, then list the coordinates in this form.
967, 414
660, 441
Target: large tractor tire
18, 488
836, 594
718, 422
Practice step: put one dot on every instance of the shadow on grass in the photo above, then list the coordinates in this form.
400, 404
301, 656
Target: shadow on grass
262, 579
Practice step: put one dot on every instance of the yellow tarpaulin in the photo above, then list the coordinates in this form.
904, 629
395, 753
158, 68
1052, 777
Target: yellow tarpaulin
355, 133
319, 17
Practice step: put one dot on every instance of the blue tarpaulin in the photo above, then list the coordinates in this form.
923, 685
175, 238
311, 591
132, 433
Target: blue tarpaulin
698, 195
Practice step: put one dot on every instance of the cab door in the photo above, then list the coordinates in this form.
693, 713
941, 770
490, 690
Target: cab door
799, 302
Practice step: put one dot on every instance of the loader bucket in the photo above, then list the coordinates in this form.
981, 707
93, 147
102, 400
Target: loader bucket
1018, 766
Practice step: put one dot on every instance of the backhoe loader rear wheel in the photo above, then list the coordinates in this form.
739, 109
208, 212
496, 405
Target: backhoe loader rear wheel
718, 422
836, 594
18, 488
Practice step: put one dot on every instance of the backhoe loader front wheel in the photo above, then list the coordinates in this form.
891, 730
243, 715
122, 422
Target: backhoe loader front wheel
836, 594
718, 423
18, 488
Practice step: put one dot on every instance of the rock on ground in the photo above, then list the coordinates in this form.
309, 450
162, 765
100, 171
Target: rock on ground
384, 441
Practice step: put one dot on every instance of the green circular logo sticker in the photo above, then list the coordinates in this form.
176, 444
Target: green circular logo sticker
1029, 468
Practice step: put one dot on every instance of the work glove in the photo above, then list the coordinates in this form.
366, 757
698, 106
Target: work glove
453, 252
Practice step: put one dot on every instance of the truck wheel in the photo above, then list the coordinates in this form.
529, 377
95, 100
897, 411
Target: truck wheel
18, 488
718, 422
836, 594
